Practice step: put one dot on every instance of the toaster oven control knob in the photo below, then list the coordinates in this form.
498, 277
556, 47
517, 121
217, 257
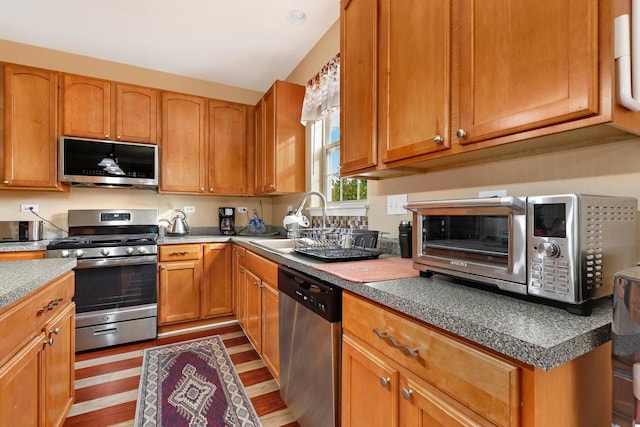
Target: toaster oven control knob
129, 250
549, 249
104, 251
79, 253
141, 250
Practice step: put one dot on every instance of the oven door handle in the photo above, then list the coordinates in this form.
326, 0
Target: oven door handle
514, 203
116, 262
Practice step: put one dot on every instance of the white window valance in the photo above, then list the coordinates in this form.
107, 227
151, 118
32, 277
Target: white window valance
322, 93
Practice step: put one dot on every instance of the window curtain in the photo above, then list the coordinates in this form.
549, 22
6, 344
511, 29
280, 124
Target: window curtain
322, 93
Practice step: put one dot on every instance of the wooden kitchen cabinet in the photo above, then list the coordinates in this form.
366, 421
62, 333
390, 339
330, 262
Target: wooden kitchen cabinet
183, 167
238, 269
179, 282
280, 140
95, 108
217, 298
448, 83
30, 133
194, 282
259, 308
227, 148
429, 377
38, 355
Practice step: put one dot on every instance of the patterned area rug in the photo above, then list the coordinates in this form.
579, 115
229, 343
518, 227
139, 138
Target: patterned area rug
194, 384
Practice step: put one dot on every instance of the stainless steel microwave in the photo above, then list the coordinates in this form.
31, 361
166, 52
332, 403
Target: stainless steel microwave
563, 248
92, 162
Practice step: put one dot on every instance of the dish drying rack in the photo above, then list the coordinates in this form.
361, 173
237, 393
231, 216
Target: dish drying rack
338, 244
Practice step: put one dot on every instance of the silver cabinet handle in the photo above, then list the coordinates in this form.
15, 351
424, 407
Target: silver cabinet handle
385, 381
406, 393
438, 139
461, 133
413, 352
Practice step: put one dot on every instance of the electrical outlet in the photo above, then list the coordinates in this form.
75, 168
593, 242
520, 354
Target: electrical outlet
242, 209
394, 204
189, 209
29, 207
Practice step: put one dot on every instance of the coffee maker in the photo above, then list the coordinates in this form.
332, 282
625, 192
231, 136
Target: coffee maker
227, 217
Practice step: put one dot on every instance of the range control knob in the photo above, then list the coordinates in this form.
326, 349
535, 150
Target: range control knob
549, 249
129, 250
104, 251
79, 253
64, 253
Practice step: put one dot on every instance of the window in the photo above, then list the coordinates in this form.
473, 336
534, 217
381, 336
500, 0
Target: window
325, 140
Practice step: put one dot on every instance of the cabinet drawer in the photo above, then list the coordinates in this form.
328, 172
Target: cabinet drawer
179, 252
24, 319
486, 384
263, 268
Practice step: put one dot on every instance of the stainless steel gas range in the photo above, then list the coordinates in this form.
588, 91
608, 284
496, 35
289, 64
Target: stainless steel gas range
116, 274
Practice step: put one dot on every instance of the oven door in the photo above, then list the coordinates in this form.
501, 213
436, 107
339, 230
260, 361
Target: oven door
109, 284
478, 239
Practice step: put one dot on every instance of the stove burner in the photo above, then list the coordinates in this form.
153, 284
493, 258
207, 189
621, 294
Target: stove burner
103, 240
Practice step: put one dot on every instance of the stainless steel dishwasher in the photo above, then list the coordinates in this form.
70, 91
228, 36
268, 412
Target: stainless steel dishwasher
310, 335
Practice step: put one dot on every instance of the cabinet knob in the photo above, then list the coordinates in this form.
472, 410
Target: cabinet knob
106, 136
55, 331
118, 137
49, 341
201, 188
461, 133
5, 182
385, 381
438, 139
210, 189
406, 393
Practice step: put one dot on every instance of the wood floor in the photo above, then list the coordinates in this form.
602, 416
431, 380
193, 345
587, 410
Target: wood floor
107, 381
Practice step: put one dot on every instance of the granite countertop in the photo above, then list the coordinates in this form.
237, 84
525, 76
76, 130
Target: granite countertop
536, 334
19, 278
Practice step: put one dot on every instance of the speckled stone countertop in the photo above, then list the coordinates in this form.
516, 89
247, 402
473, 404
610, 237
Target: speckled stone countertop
19, 278
536, 334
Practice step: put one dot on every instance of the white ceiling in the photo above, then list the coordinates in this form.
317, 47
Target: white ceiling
244, 43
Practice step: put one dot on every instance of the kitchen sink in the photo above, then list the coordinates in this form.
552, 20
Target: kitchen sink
278, 245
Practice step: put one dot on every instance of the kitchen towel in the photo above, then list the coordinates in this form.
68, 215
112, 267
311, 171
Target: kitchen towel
374, 270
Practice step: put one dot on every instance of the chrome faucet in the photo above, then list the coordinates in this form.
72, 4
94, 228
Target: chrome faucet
294, 219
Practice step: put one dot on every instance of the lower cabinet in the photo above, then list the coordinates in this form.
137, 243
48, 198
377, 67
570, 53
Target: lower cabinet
194, 282
21, 255
397, 371
257, 297
38, 355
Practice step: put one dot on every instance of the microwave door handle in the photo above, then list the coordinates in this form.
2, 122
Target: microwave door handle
513, 203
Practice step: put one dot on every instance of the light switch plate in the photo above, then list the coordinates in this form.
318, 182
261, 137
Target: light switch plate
394, 204
189, 209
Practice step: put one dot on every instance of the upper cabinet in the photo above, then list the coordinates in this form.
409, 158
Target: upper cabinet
446, 82
227, 143
94, 108
280, 140
183, 154
30, 129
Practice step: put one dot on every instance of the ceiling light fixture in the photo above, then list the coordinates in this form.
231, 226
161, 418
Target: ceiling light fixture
297, 16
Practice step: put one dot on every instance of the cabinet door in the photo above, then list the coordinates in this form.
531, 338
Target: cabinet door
359, 85
270, 329
183, 153
179, 291
369, 388
20, 385
227, 148
259, 148
269, 141
216, 296
60, 367
30, 134
238, 283
424, 405
253, 309
525, 66
413, 78
87, 107
136, 114
289, 139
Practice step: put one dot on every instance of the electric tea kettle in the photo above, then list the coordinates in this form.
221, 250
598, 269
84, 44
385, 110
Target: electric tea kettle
178, 225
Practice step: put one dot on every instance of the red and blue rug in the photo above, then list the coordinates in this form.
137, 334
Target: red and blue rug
192, 384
